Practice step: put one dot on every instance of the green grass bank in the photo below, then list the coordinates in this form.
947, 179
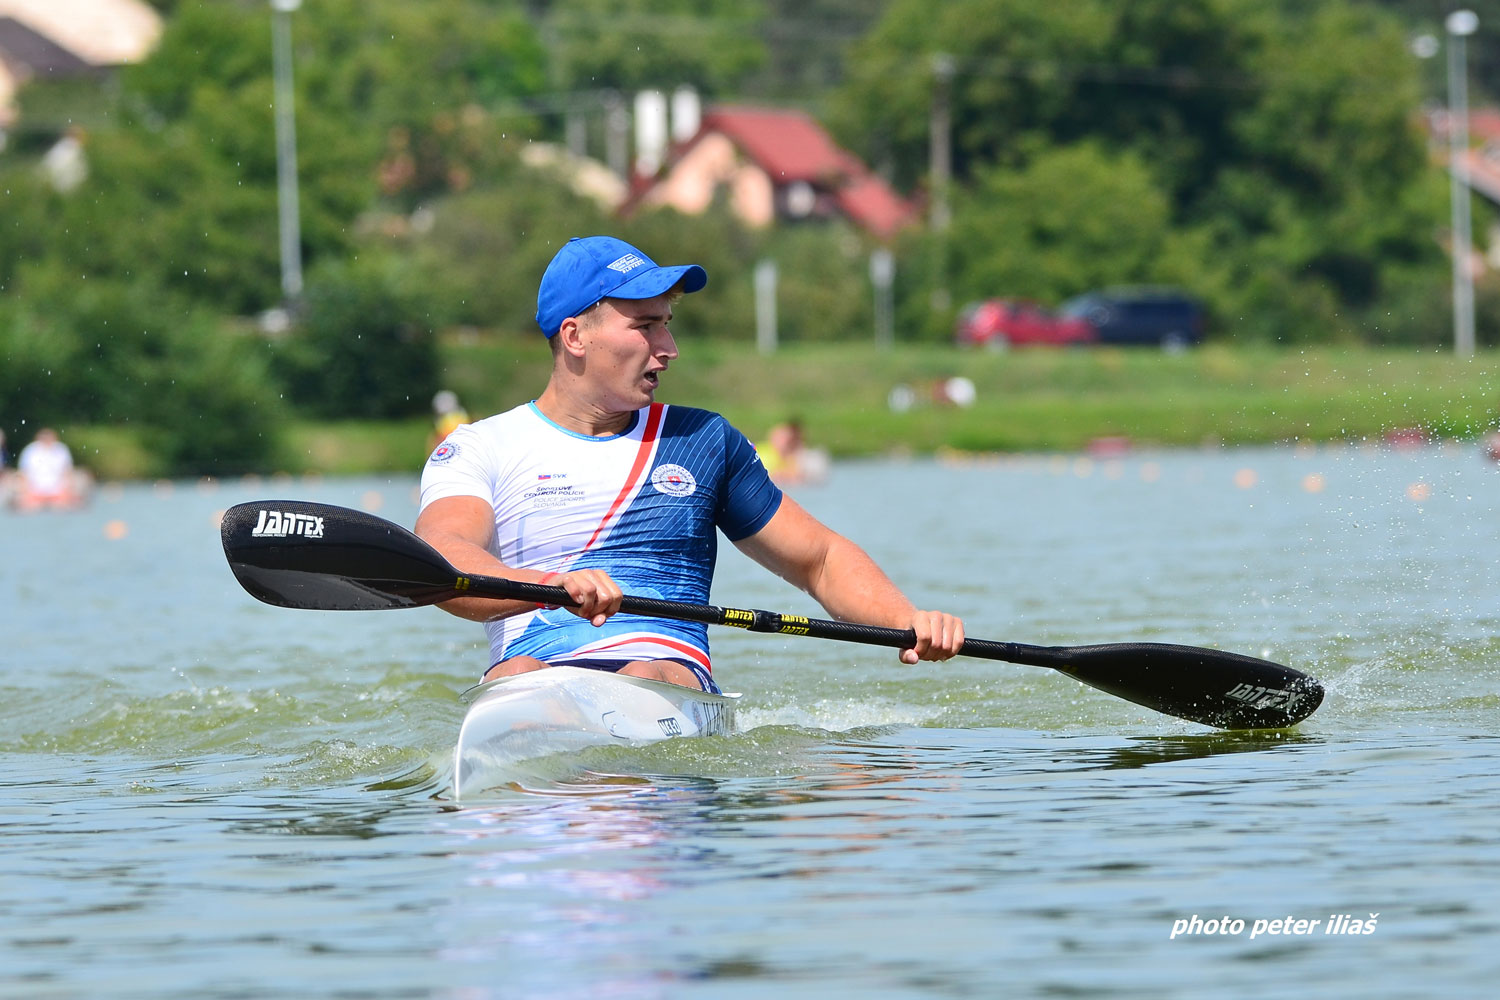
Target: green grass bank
1025, 400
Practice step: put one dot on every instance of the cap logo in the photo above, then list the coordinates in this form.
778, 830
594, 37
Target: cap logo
626, 264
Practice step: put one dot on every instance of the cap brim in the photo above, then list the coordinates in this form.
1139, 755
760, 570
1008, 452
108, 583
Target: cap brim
661, 280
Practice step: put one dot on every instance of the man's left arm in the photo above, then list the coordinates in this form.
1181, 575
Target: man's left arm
843, 578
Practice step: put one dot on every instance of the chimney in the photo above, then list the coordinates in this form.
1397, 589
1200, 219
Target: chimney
687, 114
650, 131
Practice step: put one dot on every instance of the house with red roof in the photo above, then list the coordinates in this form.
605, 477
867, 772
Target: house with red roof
771, 165
54, 39
1481, 161
1482, 157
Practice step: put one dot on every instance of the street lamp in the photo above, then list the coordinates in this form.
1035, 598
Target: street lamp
940, 158
286, 150
1460, 24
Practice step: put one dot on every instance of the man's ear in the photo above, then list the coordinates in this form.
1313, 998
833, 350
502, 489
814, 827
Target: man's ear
570, 337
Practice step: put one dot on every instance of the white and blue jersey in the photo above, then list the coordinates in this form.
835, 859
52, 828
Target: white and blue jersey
641, 505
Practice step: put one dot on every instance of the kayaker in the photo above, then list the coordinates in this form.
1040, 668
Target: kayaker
596, 488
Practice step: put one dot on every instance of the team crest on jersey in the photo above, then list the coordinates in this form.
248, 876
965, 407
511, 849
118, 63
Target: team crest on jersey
673, 480
445, 452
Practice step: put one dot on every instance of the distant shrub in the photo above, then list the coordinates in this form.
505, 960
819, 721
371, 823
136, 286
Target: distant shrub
364, 346
108, 353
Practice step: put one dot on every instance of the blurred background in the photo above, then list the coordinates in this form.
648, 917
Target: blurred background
239, 236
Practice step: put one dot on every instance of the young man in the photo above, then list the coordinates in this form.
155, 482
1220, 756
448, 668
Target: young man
598, 489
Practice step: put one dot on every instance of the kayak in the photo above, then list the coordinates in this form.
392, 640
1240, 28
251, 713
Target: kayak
562, 709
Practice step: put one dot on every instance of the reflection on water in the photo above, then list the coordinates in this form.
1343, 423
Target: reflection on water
568, 869
1147, 750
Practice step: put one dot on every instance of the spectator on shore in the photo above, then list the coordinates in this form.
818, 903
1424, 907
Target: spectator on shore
447, 416
45, 474
787, 457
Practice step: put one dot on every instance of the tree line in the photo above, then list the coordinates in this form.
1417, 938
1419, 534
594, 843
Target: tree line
1268, 157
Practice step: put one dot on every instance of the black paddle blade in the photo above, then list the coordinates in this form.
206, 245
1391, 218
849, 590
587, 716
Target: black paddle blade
295, 554
1227, 690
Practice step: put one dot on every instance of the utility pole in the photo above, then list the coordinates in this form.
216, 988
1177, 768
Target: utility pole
940, 144
286, 150
617, 135
1460, 24
883, 277
765, 306
940, 171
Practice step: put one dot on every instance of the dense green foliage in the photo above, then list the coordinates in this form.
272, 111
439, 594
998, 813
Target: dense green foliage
355, 311
1268, 157
1264, 156
118, 353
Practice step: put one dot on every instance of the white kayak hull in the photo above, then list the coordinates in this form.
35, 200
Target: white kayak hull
562, 709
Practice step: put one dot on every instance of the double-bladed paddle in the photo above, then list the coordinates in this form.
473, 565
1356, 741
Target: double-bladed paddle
297, 554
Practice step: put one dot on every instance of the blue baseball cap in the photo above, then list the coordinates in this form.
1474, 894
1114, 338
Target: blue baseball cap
590, 268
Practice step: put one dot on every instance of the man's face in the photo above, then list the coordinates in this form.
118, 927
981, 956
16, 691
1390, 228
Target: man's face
628, 345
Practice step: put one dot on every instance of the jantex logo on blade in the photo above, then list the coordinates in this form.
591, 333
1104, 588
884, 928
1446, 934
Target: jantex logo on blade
1263, 697
280, 524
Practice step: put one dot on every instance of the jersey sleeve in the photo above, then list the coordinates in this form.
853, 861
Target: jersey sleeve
457, 468
750, 498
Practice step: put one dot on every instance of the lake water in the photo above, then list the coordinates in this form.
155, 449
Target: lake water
203, 796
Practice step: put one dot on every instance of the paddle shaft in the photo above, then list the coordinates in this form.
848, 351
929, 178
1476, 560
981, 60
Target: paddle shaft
751, 620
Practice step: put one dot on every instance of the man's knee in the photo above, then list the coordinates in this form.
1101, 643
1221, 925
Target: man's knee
662, 670
514, 665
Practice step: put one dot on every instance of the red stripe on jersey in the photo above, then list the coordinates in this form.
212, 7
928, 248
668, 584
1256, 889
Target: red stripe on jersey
690, 652
648, 439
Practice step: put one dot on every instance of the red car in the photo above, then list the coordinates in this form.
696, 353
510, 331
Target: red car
1012, 322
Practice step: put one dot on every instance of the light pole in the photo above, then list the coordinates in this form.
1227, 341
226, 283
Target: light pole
1460, 24
883, 276
286, 150
940, 160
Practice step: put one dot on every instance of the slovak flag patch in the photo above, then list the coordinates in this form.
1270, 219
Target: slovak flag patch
673, 480
445, 452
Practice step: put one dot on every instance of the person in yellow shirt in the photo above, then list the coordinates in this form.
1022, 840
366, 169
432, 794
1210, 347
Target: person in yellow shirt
787, 457
448, 416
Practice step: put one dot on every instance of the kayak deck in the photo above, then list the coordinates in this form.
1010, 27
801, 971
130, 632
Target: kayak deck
562, 709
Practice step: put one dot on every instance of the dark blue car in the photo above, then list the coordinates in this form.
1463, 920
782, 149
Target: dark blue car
1153, 317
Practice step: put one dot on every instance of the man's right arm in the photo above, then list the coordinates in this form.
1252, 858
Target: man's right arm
843, 578
461, 528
